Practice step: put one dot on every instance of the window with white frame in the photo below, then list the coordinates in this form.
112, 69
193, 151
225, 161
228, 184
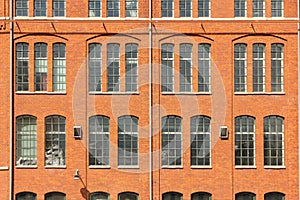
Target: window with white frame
259, 67
204, 68
274, 141
113, 8
99, 141
131, 59
21, 8
95, 67
201, 196
22, 67
40, 67
55, 141
172, 196
26, 196
59, 67
59, 8
200, 141
244, 141
131, 8
99, 196
113, 67
40, 8
167, 8
128, 196
55, 196
274, 196
204, 8
127, 141
186, 67
171, 154
95, 8
240, 8
277, 68
167, 67
240, 68
277, 8
245, 196
26, 143
185, 7
258, 8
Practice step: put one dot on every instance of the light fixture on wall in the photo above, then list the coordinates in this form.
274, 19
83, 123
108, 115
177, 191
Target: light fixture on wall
76, 175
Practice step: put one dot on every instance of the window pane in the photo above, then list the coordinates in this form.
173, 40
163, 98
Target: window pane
258, 8
131, 57
167, 8
22, 64
26, 196
277, 8
172, 196
167, 62
204, 68
55, 196
40, 67
258, 63
40, 8
131, 8
21, 8
185, 8
113, 8
95, 67
58, 8
240, 8
95, 8
277, 68
59, 67
203, 8
240, 68
113, 67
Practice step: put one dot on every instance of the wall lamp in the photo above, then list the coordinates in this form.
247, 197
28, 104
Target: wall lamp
76, 175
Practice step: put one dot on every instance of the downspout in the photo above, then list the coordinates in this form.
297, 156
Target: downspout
150, 103
11, 47
298, 98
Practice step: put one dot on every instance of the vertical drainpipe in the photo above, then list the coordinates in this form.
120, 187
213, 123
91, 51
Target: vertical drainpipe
150, 102
298, 97
11, 165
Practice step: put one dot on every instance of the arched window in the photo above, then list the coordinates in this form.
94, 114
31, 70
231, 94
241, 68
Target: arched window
55, 147
99, 140
59, 67
240, 67
171, 141
274, 196
277, 68
113, 67
273, 141
259, 67
128, 196
26, 196
200, 141
245, 196
131, 58
22, 66
55, 196
95, 67
204, 68
40, 67
99, 196
172, 196
186, 67
167, 67
26, 143
128, 141
244, 141
201, 196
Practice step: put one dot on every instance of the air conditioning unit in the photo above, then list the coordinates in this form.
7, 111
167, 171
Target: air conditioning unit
223, 132
77, 133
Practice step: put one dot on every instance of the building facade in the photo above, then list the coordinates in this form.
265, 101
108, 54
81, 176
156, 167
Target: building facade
161, 99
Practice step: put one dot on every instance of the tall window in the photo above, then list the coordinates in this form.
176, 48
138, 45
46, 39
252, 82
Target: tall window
131, 57
185, 8
95, 8
128, 196
203, 8
59, 67
40, 8
22, 62
21, 8
240, 68
240, 8
167, 8
55, 196
59, 8
204, 68
274, 196
171, 141
186, 67
99, 140
200, 141
128, 141
167, 62
245, 196
201, 196
99, 196
277, 68
131, 8
274, 141
26, 196
277, 8
113, 67
244, 141
172, 196
113, 8
95, 67
40, 67
55, 147
26, 145
258, 7
259, 67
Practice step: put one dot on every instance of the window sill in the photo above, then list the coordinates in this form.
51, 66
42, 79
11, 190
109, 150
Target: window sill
128, 167
275, 167
56, 167
201, 167
186, 93
4, 168
114, 93
40, 93
173, 167
26, 167
99, 167
245, 167
259, 93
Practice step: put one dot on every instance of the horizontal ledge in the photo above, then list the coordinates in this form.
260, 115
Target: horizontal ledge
186, 93
4, 168
56, 167
114, 93
201, 167
259, 93
172, 167
245, 167
274, 167
128, 167
99, 167
41, 93
26, 167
